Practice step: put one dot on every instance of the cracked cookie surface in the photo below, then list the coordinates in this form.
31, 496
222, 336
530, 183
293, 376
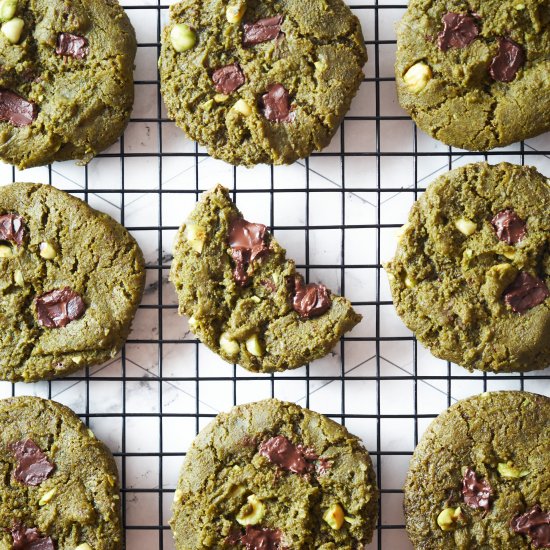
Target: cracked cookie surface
471, 274
500, 438
71, 281
72, 496
245, 300
268, 472
313, 50
476, 74
71, 73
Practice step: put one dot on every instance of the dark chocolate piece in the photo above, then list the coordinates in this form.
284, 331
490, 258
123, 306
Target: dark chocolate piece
311, 300
228, 79
459, 31
508, 61
525, 293
476, 493
256, 538
72, 45
509, 227
25, 538
16, 109
56, 309
247, 242
292, 458
276, 104
12, 229
263, 30
33, 466
536, 524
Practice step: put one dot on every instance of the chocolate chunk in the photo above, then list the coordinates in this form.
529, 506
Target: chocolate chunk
233, 538
25, 538
270, 285
525, 293
72, 45
58, 308
12, 229
310, 300
33, 466
509, 226
16, 110
293, 458
534, 523
263, 30
508, 61
228, 79
247, 242
323, 466
459, 31
276, 104
476, 493
261, 539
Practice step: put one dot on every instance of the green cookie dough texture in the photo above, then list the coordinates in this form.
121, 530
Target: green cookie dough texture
318, 57
504, 437
254, 326
451, 271
451, 94
66, 244
83, 101
79, 502
225, 467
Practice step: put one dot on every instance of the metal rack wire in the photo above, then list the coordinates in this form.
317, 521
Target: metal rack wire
146, 497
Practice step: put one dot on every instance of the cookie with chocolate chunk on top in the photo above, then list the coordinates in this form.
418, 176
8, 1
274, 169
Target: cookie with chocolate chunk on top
66, 84
71, 279
479, 476
471, 275
245, 300
261, 82
60, 488
474, 73
275, 476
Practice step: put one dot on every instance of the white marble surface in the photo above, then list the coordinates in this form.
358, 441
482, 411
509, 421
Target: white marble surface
160, 388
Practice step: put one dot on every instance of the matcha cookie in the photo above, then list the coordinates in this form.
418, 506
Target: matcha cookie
59, 488
261, 82
475, 74
71, 281
273, 476
246, 301
66, 84
479, 477
471, 274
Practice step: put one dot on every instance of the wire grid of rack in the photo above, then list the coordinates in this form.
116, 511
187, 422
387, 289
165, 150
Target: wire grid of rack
337, 214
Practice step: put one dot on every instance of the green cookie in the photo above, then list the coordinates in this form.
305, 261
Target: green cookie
245, 299
475, 74
261, 82
59, 486
471, 274
479, 477
71, 281
66, 85
272, 475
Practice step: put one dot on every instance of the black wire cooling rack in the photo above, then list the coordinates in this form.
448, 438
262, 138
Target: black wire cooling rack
383, 385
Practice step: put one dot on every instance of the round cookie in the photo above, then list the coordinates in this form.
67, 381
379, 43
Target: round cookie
271, 475
261, 82
245, 300
471, 274
71, 281
59, 486
479, 477
66, 86
474, 73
